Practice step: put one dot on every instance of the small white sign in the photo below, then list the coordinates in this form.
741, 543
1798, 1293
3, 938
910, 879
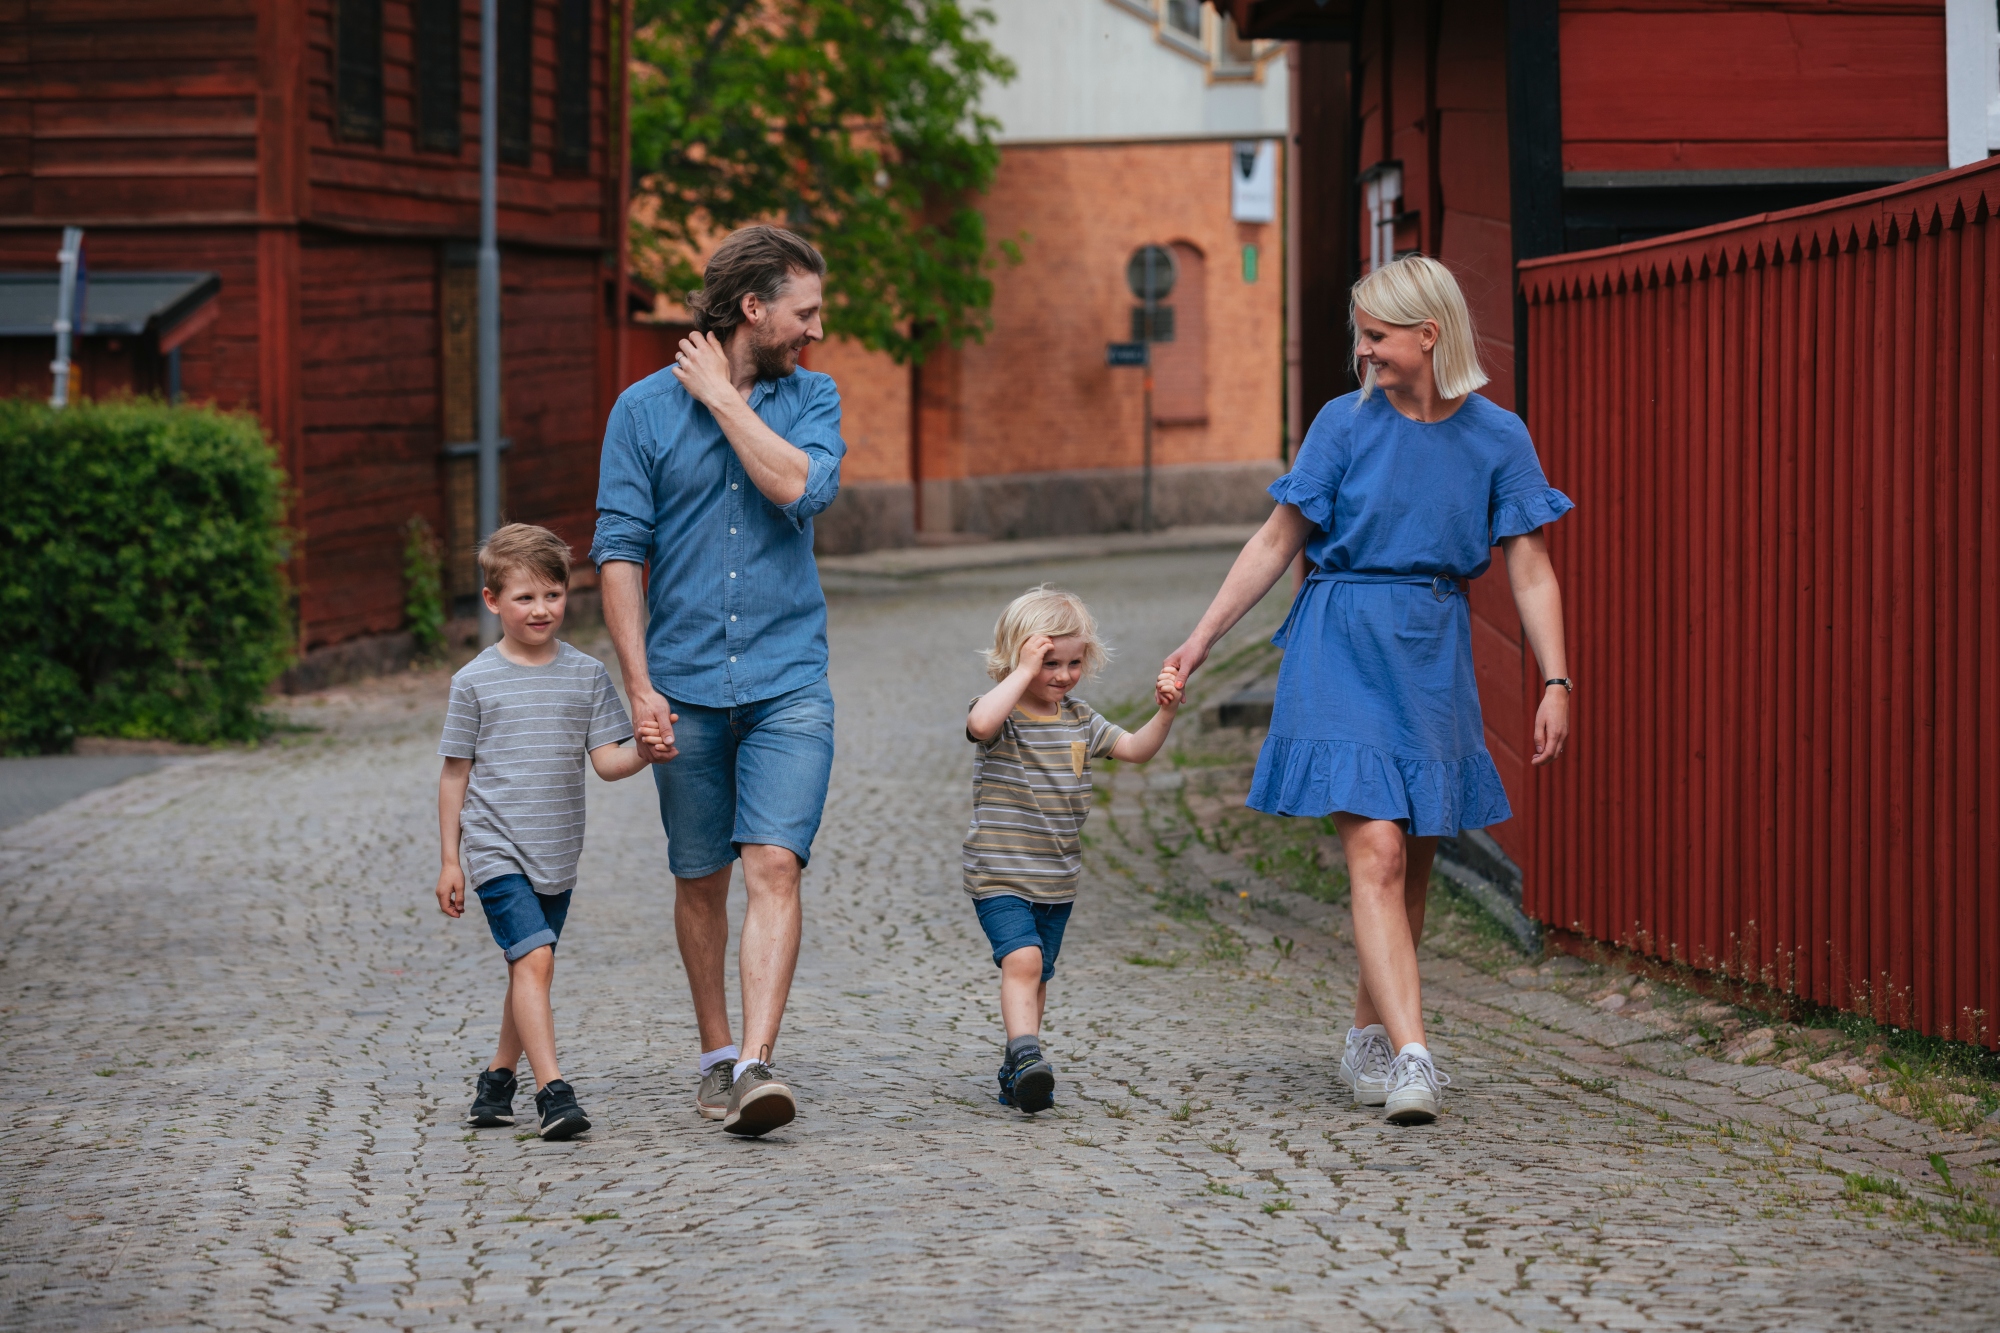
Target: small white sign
1253, 180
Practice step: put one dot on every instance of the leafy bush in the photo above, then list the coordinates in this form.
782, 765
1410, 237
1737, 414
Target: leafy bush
140, 574
423, 587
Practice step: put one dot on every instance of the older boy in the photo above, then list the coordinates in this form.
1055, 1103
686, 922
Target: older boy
510, 801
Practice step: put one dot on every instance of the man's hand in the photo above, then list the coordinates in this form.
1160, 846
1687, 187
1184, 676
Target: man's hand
653, 726
1037, 647
702, 367
451, 891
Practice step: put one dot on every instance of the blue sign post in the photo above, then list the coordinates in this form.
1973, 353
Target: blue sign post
1126, 354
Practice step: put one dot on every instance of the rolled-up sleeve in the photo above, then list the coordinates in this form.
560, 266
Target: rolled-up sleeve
817, 432
625, 503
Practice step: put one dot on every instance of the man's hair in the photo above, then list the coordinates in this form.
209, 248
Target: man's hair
1407, 292
755, 261
1044, 610
523, 548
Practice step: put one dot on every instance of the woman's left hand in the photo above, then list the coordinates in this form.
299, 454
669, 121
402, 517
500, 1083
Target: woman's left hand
1551, 725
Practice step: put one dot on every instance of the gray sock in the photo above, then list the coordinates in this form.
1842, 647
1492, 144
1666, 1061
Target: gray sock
1019, 1046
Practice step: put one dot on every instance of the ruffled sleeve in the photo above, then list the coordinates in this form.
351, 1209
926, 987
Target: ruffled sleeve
1317, 470
1522, 513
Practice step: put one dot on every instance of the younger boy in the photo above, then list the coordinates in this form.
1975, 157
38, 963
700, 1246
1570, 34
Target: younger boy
1030, 795
510, 801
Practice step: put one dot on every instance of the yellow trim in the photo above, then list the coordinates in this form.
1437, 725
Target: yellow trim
1052, 717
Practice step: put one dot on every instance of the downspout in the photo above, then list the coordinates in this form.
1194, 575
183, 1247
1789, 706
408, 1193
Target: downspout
69, 257
489, 290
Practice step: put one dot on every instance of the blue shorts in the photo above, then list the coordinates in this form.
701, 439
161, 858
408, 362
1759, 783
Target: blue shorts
522, 920
756, 773
1014, 923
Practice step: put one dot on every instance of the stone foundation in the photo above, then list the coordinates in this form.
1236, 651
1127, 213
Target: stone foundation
865, 516
1056, 504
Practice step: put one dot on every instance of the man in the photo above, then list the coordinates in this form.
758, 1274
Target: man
712, 472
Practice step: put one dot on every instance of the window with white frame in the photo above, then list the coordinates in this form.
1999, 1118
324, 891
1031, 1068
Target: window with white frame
1209, 38
1972, 79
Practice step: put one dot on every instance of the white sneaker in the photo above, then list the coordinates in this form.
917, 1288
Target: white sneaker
1414, 1090
1364, 1067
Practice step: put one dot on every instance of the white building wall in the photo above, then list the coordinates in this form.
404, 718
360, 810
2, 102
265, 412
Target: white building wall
1101, 69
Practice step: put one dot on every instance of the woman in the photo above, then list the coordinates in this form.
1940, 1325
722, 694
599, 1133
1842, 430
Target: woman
1397, 496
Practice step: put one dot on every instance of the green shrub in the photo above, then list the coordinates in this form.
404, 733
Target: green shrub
141, 574
423, 588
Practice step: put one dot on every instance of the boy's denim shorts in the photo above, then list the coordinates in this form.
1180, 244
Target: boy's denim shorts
1015, 923
522, 920
756, 773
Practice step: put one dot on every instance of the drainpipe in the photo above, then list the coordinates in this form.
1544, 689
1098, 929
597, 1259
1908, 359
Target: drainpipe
489, 290
66, 312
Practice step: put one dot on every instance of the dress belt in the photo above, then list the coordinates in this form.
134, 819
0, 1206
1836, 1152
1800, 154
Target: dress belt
1443, 586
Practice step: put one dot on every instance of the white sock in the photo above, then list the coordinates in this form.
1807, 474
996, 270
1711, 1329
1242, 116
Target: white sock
742, 1065
1355, 1035
710, 1059
1416, 1048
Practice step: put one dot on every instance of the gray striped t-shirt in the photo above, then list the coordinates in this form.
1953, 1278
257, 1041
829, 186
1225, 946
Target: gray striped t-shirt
1030, 796
528, 732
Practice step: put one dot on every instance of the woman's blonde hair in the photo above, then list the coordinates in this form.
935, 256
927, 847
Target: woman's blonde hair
1407, 292
1044, 610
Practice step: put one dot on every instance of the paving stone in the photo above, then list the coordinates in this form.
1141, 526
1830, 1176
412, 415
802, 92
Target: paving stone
247, 943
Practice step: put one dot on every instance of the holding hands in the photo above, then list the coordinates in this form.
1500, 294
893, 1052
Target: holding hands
1169, 690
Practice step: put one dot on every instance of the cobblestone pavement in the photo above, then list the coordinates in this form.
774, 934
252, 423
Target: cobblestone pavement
240, 1041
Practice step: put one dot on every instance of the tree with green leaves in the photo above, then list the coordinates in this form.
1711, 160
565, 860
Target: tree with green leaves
856, 123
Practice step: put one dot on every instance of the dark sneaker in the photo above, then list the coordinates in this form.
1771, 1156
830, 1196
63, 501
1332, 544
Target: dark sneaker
493, 1104
758, 1103
1028, 1083
562, 1118
712, 1097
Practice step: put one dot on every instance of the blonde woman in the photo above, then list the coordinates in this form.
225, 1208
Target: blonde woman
1398, 494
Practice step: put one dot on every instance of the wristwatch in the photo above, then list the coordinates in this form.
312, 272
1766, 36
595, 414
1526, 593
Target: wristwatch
1563, 681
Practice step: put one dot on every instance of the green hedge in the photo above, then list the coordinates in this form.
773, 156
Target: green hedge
141, 575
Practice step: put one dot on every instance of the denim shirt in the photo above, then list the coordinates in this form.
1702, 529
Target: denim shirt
736, 612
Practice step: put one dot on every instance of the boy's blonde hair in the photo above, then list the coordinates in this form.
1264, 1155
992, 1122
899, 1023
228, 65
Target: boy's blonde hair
1044, 610
1407, 292
519, 548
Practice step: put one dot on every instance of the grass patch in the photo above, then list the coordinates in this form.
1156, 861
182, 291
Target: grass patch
1182, 1113
1145, 960
1277, 1206
1587, 1084
1217, 1187
1223, 945
594, 1217
1187, 908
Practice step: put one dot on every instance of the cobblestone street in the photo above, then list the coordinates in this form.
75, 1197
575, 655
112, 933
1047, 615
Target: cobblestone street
241, 1041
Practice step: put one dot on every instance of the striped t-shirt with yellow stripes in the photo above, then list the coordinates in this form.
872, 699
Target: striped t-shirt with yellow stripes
1030, 796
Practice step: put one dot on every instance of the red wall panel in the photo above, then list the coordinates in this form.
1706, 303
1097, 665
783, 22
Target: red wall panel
1710, 86
1783, 588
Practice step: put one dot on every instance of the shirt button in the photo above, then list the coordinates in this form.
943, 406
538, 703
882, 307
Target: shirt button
732, 618
732, 573
732, 485
732, 659
732, 532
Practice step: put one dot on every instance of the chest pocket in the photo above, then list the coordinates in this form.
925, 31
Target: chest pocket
1078, 752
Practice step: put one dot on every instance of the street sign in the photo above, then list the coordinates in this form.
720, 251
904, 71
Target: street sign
1150, 272
1125, 354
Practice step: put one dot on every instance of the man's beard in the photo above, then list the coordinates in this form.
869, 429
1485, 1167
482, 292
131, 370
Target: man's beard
773, 361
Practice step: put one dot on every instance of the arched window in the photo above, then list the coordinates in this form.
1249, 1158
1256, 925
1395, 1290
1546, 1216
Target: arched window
1180, 367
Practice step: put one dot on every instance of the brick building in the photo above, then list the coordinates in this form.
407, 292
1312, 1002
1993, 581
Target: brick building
1122, 130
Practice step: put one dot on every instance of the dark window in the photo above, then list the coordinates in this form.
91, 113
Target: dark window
439, 90
517, 80
573, 85
357, 76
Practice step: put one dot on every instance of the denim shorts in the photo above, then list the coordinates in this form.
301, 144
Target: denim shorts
522, 920
755, 773
1014, 923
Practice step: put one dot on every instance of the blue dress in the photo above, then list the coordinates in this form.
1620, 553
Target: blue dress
1378, 711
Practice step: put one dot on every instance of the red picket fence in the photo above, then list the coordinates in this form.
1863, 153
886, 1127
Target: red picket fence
1783, 438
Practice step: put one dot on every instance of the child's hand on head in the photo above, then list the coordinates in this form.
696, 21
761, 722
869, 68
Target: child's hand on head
1168, 691
1033, 651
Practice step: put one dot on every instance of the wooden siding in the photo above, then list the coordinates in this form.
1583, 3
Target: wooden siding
399, 186
1688, 85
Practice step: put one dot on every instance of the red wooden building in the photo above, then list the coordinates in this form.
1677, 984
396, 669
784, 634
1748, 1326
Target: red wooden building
1497, 136
320, 158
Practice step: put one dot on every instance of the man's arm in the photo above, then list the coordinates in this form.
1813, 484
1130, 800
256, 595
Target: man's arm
775, 466
621, 585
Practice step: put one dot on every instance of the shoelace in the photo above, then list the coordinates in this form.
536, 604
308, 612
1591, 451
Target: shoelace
1409, 1068
756, 1070
1375, 1057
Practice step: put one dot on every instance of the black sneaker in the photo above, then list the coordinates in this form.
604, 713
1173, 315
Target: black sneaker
1028, 1083
493, 1104
562, 1118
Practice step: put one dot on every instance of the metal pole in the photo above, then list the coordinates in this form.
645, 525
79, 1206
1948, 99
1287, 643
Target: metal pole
71, 252
489, 290
1146, 464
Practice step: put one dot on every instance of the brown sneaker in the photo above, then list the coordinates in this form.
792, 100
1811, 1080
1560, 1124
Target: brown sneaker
712, 1097
758, 1103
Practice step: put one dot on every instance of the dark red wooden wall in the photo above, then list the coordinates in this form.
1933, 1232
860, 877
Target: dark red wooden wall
200, 135
1782, 583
